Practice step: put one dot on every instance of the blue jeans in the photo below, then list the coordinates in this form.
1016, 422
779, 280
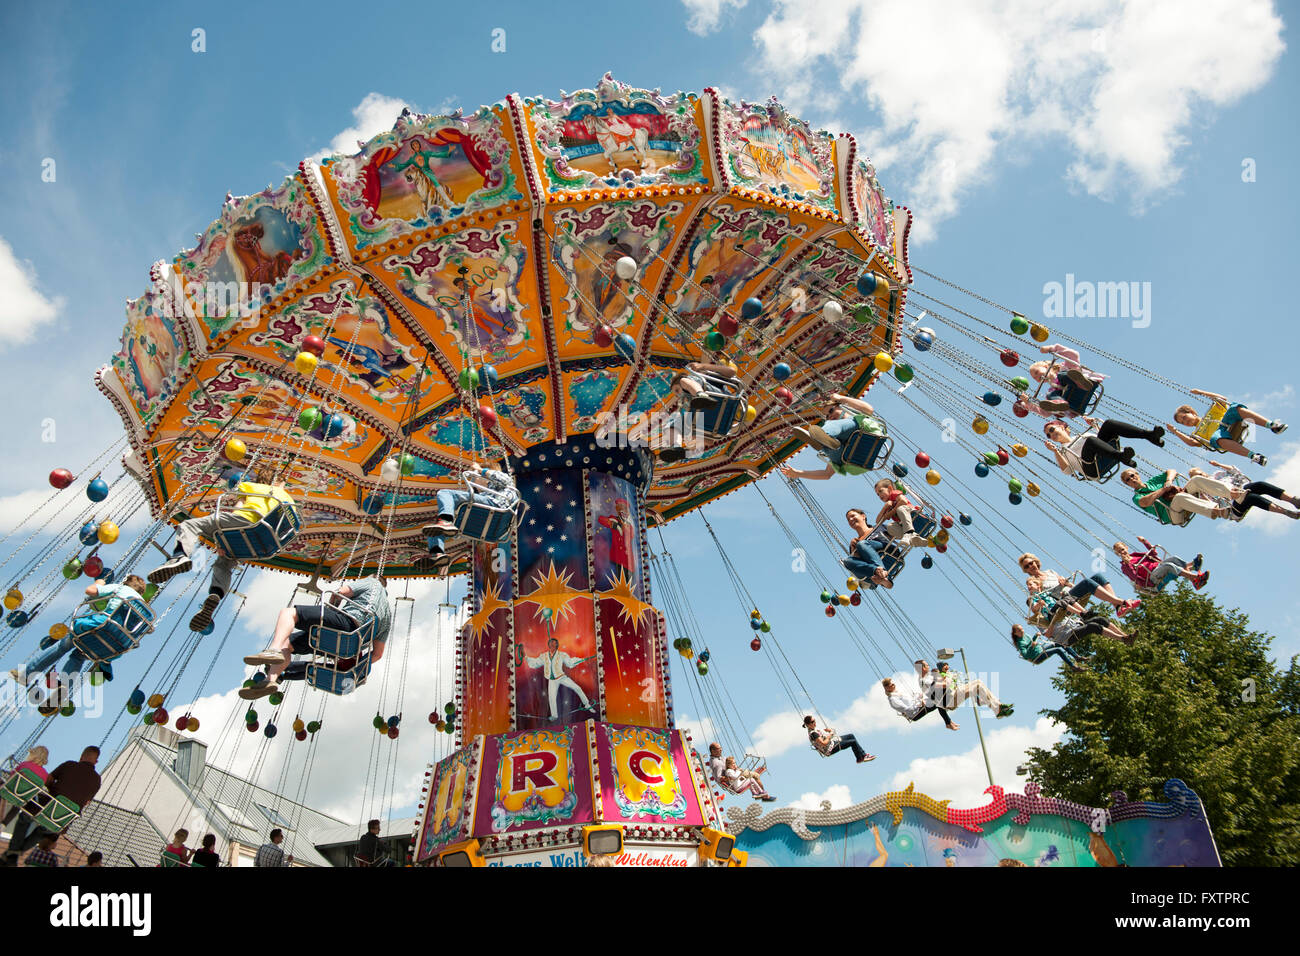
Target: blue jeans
1067, 654
840, 429
865, 559
41, 661
849, 742
449, 499
1087, 585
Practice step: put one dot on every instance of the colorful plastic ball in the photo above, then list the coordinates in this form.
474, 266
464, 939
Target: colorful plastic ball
275, 699
96, 678
1014, 498
702, 667
981, 470
844, 600
72, 570
980, 426
1009, 358
61, 478
13, 598
1020, 409
300, 735
855, 598
830, 610
313, 726
488, 375
755, 614
992, 399
964, 518
390, 470
1020, 383
107, 533
899, 469
233, 479
250, 716
1018, 324
259, 678
991, 459
58, 631
751, 308
715, 341
88, 534
393, 721
309, 419
334, 426
1032, 490
867, 283
235, 449
451, 727
826, 596
927, 561
941, 536
372, 504
852, 584
903, 373
305, 363
253, 727
137, 696
392, 733
922, 460
182, 722
923, 339
271, 730
603, 336
147, 719
833, 312
755, 623
784, 395
883, 361
932, 477
467, 379
750, 413
17, 618
941, 548
755, 644
780, 371
728, 324
155, 700
192, 724
625, 267
299, 724
625, 346
378, 722
133, 709
765, 628
1003, 457
450, 708
1038, 333
406, 463
93, 566
97, 489
1019, 450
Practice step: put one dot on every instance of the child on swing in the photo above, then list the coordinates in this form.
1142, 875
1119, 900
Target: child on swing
1234, 413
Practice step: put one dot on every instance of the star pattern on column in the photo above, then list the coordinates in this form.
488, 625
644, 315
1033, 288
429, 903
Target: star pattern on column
552, 592
491, 601
631, 608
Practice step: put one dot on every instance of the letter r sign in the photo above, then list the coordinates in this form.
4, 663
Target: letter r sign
532, 768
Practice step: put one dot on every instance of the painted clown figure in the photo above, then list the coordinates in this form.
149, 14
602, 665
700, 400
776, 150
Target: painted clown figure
553, 664
622, 534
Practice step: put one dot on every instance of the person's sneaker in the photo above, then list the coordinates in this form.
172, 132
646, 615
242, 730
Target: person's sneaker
823, 439
768, 799
178, 564
1057, 406
1127, 606
1197, 562
1199, 581
442, 527
1128, 457
914, 541
258, 691
264, 659
203, 620
1006, 710
867, 758
1080, 379
1277, 427
1259, 459
1158, 436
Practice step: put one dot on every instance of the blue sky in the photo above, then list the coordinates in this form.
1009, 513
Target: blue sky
1100, 139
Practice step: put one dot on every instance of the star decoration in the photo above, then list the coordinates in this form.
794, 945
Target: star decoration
491, 601
631, 607
553, 592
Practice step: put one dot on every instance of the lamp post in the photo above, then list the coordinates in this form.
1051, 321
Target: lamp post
947, 653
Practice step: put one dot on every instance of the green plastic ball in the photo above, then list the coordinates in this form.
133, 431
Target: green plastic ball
468, 379
765, 627
275, 699
1018, 324
378, 722
714, 341
313, 726
1014, 486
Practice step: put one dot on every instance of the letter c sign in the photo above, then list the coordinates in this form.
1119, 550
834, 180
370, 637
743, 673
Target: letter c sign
639, 757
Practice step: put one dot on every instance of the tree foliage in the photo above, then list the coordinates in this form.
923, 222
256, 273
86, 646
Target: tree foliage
1196, 696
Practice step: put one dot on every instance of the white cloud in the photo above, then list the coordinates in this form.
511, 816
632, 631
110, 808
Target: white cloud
702, 732
961, 777
375, 114
706, 15
837, 795
1267, 403
23, 307
1121, 81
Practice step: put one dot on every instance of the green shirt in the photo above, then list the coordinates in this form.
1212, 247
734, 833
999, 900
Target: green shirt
1160, 507
1028, 647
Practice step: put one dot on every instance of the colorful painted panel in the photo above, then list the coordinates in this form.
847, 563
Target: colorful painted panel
555, 654
449, 802
766, 148
425, 170
154, 359
489, 648
634, 693
617, 135
540, 779
875, 210
645, 777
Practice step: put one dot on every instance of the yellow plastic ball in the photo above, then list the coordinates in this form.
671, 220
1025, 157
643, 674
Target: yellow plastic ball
192, 724
883, 361
155, 701
1032, 490
852, 584
941, 536
1020, 451
305, 363
754, 614
1038, 333
299, 725
844, 600
980, 426
933, 477
236, 449
441, 725
107, 532
750, 413
383, 730
731, 365
58, 631
13, 598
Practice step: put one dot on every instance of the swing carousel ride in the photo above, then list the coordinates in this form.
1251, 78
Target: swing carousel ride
522, 288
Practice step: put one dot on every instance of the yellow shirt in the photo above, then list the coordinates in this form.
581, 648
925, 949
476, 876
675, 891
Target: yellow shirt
259, 500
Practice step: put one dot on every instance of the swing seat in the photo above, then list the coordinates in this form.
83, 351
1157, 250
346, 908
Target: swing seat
892, 560
924, 522
866, 450
21, 786
327, 677
344, 643
484, 522
1209, 427
717, 422
170, 858
115, 635
56, 814
259, 541
1104, 477
1082, 401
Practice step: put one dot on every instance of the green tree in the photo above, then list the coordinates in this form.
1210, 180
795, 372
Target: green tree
1196, 696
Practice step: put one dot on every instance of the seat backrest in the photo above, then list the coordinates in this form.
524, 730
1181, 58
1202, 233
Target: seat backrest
864, 450
331, 680
262, 540
1081, 400
1211, 421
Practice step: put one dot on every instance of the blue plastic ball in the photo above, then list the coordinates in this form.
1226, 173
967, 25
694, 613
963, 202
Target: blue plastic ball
393, 721
372, 504
992, 398
233, 479
488, 377
259, 678
867, 283
17, 618
780, 371
922, 340
270, 730
334, 426
1014, 498
900, 470
981, 470
751, 308
89, 533
963, 517
755, 623
927, 561
625, 346
97, 490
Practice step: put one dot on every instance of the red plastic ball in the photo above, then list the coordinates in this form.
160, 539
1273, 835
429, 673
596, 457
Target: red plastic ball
1003, 457
784, 395
433, 717
941, 548
392, 733
855, 598
604, 336
946, 521
252, 728
93, 567
830, 610
313, 344
300, 735
160, 716
1010, 358
61, 478
487, 417
728, 325
755, 645
1020, 409
183, 722
922, 460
